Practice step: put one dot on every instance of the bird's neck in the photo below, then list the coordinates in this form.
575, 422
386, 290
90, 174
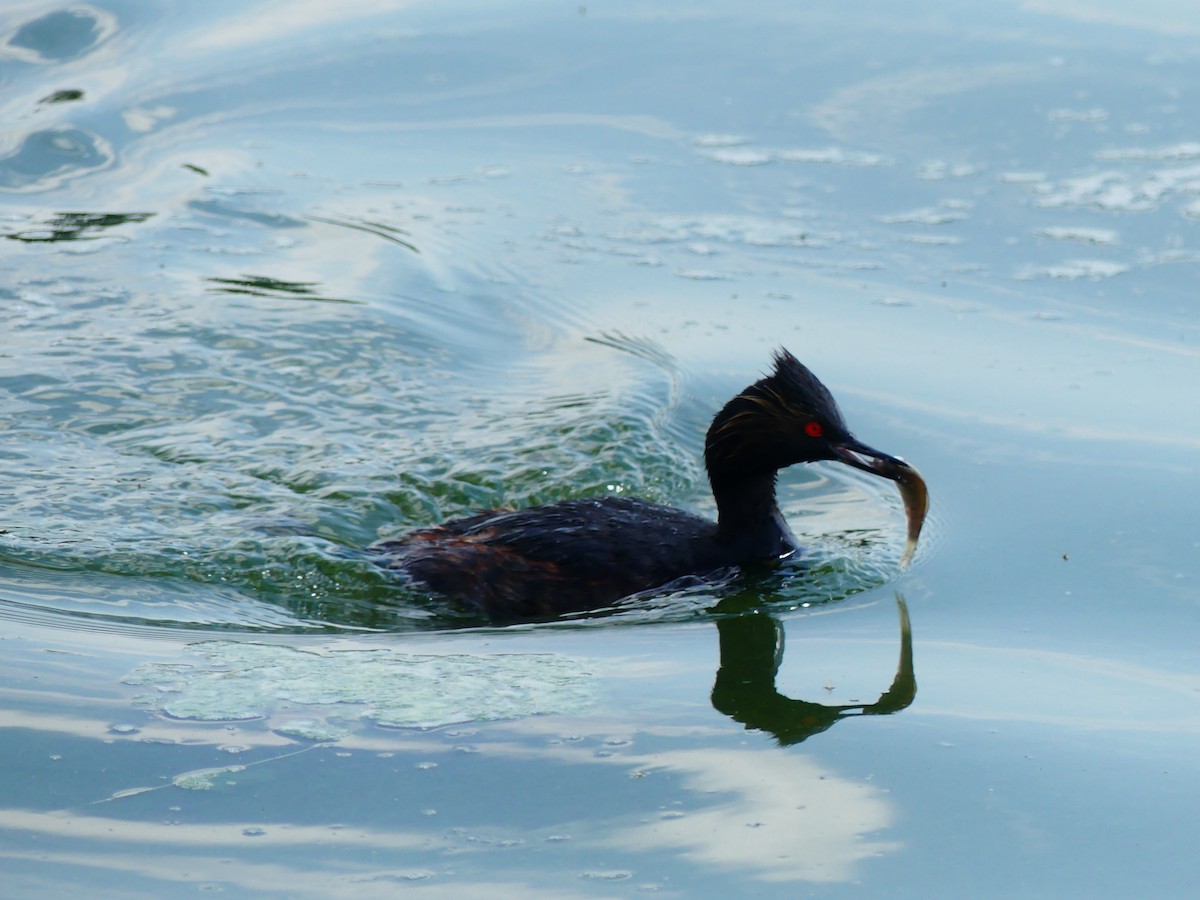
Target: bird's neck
749, 522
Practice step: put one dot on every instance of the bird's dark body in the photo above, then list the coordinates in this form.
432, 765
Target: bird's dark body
563, 557
587, 554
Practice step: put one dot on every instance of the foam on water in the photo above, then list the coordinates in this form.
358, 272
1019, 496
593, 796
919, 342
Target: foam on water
237, 680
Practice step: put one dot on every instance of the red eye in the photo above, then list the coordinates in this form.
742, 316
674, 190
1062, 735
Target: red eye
814, 429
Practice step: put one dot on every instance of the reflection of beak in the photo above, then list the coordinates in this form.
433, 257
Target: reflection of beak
909, 480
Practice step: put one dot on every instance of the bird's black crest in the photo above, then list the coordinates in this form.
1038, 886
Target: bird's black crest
766, 426
802, 390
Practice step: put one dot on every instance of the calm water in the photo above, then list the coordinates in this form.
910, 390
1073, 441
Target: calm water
281, 280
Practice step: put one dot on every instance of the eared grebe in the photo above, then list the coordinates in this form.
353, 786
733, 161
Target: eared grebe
586, 554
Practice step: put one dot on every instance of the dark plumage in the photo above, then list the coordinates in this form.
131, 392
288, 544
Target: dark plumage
586, 554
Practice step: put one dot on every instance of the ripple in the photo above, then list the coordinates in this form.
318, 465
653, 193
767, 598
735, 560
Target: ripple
45, 159
1120, 191
69, 226
1082, 235
1186, 150
720, 140
1090, 269
62, 35
751, 231
736, 153
98, 602
924, 216
1066, 114
739, 156
241, 206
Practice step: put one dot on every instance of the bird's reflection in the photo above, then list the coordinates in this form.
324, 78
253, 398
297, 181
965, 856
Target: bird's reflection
751, 652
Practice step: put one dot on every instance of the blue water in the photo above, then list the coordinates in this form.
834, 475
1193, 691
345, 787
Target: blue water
281, 281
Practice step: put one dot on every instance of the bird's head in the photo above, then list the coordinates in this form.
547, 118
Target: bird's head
785, 418
790, 417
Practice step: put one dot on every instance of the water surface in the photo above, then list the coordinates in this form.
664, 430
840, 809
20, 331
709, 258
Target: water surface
279, 281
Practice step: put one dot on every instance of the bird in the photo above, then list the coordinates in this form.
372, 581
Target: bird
587, 554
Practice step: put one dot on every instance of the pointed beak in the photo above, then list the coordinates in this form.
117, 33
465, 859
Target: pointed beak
912, 486
857, 454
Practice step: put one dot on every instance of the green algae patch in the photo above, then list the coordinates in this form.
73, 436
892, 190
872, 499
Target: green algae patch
239, 681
